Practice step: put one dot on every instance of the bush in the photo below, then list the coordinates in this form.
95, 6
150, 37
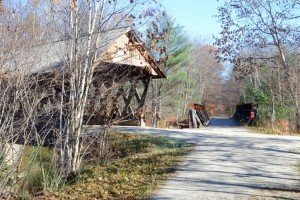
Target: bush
38, 171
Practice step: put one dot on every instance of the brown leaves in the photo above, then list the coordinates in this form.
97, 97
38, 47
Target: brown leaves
73, 4
1, 6
35, 3
138, 165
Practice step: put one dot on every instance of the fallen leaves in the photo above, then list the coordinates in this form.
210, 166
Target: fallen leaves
148, 161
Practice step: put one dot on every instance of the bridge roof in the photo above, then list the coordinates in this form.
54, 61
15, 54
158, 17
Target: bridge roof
118, 46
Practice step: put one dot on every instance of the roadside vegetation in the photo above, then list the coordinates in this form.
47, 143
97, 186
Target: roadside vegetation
194, 75
271, 131
264, 55
137, 165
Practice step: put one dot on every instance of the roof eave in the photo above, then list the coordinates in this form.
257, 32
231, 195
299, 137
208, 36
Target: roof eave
160, 71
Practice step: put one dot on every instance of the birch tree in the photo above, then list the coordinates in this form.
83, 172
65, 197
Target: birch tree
91, 19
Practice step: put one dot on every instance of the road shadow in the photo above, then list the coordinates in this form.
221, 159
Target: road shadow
223, 122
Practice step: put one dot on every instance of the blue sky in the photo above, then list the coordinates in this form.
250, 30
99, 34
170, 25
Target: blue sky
196, 16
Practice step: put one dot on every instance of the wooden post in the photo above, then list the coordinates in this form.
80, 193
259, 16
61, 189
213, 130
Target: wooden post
198, 121
115, 108
192, 119
145, 92
128, 99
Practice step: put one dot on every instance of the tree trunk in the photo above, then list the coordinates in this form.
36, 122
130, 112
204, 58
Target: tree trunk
154, 102
273, 118
297, 113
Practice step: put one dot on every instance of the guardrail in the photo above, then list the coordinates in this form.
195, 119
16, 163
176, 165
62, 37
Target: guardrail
198, 115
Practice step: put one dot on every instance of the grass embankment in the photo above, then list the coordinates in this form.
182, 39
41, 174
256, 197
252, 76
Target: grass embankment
139, 164
270, 131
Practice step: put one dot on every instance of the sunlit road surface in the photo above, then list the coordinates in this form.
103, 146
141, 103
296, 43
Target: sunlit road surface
229, 162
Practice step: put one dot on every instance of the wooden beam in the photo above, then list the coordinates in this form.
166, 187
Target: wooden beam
145, 92
128, 99
115, 101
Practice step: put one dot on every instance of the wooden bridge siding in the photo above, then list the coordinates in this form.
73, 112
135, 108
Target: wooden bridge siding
107, 94
110, 112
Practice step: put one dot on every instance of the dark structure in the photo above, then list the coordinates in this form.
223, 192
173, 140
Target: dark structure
246, 113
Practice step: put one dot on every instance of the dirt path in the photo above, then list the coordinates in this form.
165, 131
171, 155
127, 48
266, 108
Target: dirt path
229, 162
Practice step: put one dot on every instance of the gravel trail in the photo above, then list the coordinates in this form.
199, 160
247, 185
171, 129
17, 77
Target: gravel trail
229, 162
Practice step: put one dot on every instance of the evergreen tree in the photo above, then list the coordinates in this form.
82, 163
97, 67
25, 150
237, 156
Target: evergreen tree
172, 50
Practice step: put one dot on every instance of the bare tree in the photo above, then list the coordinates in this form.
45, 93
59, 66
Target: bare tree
207, 72
84, 58
19, 105
265, 32
51, 52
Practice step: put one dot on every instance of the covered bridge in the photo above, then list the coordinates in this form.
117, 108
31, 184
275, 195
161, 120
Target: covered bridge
121, 78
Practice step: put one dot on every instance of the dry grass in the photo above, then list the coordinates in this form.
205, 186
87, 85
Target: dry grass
270, 131
140, 163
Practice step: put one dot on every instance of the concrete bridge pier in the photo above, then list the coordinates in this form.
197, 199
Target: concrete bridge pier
13, 153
